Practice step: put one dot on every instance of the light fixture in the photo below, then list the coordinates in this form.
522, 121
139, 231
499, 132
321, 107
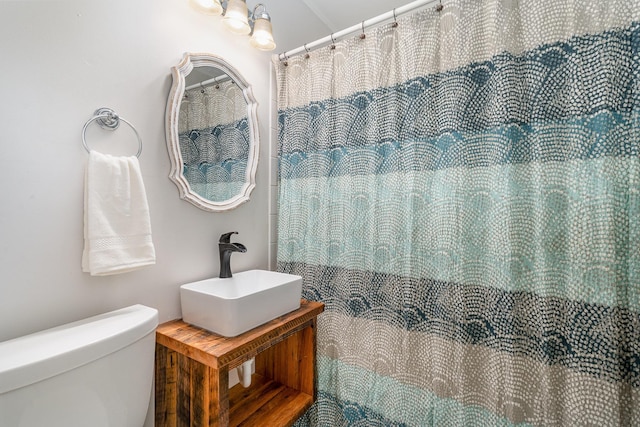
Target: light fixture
262, 36
209, 7
235, 17
238, 20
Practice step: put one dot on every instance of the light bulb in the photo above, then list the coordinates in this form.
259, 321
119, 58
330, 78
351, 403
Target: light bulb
209, 7
235, 17
262, 37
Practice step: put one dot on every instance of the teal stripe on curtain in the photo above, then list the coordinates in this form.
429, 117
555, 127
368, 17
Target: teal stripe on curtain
560, 229
581, 138
463, 194
394, 401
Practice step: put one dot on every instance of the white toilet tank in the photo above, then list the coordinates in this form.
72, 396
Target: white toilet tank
96, 372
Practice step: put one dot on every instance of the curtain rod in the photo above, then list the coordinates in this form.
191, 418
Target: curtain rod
211, 81
388, 16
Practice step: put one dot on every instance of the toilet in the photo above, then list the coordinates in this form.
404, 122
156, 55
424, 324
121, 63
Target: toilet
95, 372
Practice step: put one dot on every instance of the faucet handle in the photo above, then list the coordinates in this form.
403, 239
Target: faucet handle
226, 237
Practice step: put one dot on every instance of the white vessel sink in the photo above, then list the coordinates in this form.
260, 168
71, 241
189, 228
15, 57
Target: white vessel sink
229, 307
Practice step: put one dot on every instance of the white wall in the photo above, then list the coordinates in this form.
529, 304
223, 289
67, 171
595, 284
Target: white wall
60, 61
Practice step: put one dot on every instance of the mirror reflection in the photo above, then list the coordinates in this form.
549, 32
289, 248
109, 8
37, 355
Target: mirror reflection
213, 131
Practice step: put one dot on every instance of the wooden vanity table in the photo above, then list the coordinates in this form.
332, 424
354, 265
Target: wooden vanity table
192, 372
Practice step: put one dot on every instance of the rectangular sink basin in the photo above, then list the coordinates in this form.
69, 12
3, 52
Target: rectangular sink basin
229, 307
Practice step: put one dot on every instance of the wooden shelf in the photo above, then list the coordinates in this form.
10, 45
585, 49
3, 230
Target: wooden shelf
192, 372
266, 403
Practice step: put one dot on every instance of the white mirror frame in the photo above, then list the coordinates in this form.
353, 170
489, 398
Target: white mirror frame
189, 61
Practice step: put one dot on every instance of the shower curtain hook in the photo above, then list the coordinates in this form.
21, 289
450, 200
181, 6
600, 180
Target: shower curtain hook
333, 43
363, 35
395, 19
283, 58
201, 88
439, 7
306, 56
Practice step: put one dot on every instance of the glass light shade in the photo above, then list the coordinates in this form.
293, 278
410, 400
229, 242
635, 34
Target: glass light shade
235, 18
210, 7
262, 37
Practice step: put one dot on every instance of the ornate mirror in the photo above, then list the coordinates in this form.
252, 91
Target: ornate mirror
212, 133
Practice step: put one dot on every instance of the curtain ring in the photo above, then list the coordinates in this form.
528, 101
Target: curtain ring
333, 43
306, 56
395, 19
283, 58
439, 7
363, 35
201, 88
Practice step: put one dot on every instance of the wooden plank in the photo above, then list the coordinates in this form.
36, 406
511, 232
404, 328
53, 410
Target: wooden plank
291, 362
196, 343
265, 362
219, 397
247, 401
286, 361
282, 411
200, 394
290, 374
214, 350
166, 387
307, 363
239, 394
266, 403
183, 401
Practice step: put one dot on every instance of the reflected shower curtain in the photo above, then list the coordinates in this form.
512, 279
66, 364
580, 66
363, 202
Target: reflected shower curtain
463, 193
213, 131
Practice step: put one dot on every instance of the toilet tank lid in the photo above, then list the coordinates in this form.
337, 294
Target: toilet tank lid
36, 357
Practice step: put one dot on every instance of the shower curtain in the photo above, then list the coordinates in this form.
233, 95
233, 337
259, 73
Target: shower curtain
213, 131
462, 191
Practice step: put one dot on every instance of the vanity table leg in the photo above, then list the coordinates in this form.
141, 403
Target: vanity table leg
308, 348
166, 387
219, 397
203, 397
189, 393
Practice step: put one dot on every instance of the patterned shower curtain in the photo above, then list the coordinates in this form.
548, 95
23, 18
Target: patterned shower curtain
463, 193
214, 140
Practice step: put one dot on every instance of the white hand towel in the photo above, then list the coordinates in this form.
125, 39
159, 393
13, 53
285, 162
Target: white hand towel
117, 228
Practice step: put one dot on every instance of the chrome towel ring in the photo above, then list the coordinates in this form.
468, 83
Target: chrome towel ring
109, 120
